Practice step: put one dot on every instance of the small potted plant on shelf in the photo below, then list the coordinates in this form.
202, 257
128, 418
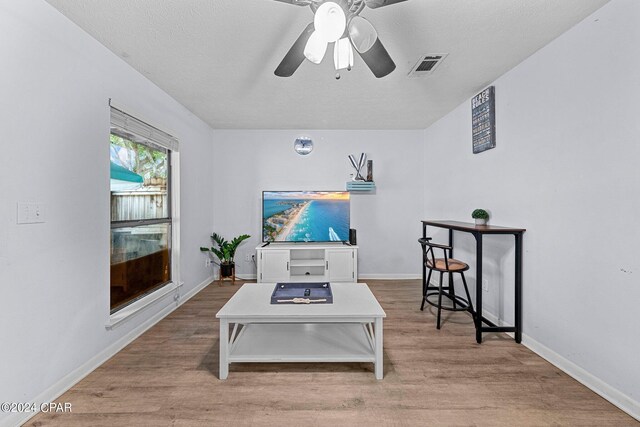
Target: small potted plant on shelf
481, 216
225, 251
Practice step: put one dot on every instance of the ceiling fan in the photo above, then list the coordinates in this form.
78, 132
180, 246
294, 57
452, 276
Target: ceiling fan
338, 22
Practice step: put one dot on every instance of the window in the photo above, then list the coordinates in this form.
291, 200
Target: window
142, 233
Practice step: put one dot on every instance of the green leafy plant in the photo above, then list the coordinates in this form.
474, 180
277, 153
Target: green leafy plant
480, 214
225, 250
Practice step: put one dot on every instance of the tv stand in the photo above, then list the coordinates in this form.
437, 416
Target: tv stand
307, 262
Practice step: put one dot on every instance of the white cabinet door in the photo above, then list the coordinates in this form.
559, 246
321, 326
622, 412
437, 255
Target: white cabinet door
275, 265
340, 265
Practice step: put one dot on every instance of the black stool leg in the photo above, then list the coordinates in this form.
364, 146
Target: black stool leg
466, 289
452, 290
439, 300
425, 289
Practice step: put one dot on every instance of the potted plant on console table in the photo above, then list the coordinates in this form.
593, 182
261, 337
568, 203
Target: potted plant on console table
481, 216
225, 252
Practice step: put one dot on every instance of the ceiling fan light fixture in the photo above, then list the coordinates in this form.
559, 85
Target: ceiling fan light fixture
315, 48
330, 21
339, 22
343, 54
362, 34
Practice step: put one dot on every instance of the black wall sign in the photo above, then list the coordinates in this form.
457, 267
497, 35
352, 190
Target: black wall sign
483, 120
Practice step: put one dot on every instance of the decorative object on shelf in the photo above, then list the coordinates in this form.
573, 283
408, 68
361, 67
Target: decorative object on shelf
481, 216
483, 119
303, 145
225, 251
358, 166
339, 22
369, 170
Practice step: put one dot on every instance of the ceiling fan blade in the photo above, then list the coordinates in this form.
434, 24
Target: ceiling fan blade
295, 56
374, 4
297, 2
368, 45
378, 60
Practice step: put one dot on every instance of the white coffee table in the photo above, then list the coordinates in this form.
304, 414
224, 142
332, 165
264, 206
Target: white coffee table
348, 330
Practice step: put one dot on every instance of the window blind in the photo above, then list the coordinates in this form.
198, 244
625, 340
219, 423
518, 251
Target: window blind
127, 126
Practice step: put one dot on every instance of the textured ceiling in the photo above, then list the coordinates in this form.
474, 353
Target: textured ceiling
217, 57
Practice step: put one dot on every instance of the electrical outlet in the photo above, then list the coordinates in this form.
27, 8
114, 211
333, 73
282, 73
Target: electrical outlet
485, 285
247, 257
207, 262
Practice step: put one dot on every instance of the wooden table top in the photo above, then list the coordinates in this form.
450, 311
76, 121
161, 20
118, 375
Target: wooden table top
473, 228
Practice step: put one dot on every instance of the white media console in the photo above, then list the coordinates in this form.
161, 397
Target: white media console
307, 262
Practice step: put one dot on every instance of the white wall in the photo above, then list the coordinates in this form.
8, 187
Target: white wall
56, 82
566, 168
387, 222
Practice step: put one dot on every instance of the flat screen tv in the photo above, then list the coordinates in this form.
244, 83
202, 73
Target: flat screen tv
305, 216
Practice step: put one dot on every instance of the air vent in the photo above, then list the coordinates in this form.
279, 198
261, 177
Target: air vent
427, 64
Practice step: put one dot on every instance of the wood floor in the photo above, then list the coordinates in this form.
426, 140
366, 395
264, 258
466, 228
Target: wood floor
169, 377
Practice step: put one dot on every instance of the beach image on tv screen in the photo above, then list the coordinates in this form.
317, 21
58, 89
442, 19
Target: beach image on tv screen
305, 216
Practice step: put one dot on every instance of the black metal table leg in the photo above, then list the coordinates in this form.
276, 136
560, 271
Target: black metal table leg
518, 290
451, 243
478, 318
424, 267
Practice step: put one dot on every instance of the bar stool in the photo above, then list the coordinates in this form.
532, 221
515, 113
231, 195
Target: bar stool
442, 266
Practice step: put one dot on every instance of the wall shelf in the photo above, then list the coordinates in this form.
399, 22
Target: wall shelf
361, 186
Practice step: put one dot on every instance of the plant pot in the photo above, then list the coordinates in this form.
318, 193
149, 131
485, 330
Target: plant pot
226, 270
481, 221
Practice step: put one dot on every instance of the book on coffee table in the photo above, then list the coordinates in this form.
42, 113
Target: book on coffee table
302, 293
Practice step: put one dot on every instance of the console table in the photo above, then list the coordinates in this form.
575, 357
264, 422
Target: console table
478, 231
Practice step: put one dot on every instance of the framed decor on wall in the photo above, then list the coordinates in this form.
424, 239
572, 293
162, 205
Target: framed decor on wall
483, 120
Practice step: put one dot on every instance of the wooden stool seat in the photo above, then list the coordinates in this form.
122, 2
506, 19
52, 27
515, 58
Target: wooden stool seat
441, 265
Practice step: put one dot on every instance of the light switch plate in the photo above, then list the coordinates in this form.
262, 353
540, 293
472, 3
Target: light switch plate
31, 213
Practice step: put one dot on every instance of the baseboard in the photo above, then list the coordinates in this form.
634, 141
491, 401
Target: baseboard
187, 296
489, 316
68, 381
595, 384
246, 276
613, 395
389, 276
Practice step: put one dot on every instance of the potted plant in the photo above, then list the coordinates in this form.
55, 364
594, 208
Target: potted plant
225, 251
481, 216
